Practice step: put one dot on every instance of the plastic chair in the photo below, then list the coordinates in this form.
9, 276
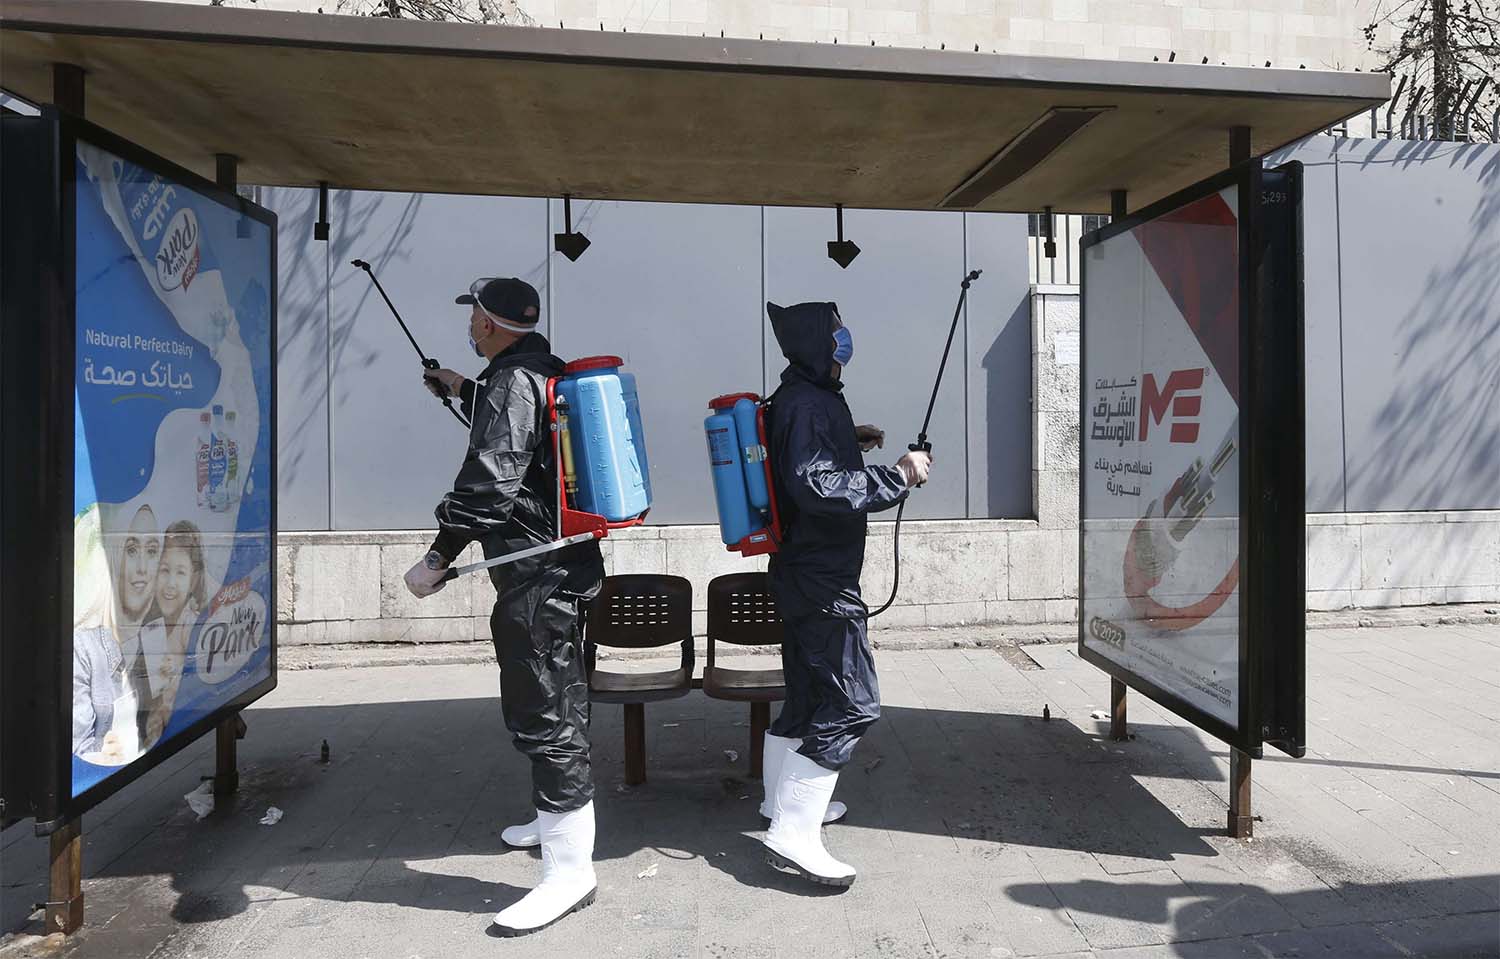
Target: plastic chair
640, 611
741, 612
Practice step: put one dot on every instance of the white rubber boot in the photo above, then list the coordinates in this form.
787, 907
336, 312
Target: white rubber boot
774, 753
795, 840
568, 882
527, 836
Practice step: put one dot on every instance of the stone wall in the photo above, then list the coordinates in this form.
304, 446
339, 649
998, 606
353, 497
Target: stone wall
1321, 34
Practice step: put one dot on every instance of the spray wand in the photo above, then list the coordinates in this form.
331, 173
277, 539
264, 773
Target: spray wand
428, 362
922, 445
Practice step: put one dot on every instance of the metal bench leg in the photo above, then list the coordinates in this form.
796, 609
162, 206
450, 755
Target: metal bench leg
635, 743
760, 721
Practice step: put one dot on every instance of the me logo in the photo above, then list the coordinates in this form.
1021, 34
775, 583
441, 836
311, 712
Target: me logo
1182, 396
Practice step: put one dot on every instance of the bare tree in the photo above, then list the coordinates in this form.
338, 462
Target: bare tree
457, 11
1449, 50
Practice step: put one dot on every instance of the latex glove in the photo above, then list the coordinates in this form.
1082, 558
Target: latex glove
426, 577
869, 437
441, 383
914, 467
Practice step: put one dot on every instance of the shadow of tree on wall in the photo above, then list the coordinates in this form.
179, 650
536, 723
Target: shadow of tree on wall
301, 324
1438, 444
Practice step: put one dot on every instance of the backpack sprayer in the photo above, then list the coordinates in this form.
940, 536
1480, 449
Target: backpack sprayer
593, 416
599, 446
744, 485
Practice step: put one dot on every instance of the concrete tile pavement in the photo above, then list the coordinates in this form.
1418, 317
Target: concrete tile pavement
979, 829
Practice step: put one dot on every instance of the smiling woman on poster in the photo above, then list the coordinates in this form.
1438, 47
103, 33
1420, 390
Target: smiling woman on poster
105, 702
180, 596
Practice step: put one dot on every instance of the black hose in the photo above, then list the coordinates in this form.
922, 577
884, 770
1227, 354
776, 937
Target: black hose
921, 445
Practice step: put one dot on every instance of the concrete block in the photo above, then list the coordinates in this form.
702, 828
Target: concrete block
1330, 599
318, 633
1057, 386
397, 603
638, 556
1058, 434
336, 582
1333, 557
453, 629
1062, 610
1044, 565
1061, 313
1375, 598
1016, 612
955, 614
1057, 499
1472, 594
1074, 10
901, 617
1469, 556
1400, 555
954, 567
286, 581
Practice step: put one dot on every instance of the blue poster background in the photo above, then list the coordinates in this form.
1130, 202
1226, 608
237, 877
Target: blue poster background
174, 322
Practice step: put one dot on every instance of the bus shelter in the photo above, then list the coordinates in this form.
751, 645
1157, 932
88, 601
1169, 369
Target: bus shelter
121, 199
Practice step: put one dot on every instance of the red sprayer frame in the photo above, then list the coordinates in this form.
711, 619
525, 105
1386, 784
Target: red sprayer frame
573, 522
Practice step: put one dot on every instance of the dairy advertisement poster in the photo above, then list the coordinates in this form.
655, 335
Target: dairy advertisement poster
172, 482
1161, 453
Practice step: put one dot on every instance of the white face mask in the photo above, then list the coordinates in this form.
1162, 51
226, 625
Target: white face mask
475, 347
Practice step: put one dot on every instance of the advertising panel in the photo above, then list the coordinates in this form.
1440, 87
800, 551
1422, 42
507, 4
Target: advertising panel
172, 458
1162, 443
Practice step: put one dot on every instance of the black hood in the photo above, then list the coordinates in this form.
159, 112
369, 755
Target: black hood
805, 333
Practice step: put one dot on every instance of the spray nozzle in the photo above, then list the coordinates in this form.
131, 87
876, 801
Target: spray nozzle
360, 264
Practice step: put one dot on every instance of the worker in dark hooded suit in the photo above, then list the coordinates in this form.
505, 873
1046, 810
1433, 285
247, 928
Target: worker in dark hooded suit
826, 493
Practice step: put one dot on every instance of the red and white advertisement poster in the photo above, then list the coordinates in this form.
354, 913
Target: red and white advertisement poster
1161, 444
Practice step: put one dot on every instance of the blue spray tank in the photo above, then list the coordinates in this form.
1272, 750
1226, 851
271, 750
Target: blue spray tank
749, 520
603, 444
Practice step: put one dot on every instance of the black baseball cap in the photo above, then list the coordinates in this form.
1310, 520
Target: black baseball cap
510, 303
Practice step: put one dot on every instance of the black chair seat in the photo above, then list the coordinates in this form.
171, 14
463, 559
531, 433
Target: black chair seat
744, 685
607, 687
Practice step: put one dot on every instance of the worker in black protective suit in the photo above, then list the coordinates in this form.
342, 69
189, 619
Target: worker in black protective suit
505, 498
826, 492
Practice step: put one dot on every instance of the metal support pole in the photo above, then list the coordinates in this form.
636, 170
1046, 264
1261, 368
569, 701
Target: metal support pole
64, 909
67, 88
1119, 731
1119, 728
1239, 145
227, 171
1241, 820
226, 765
635, 744
320, 228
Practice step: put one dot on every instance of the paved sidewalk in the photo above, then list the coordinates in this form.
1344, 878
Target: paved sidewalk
979, 829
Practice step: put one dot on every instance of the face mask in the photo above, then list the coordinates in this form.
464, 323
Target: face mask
475, 347
843, 346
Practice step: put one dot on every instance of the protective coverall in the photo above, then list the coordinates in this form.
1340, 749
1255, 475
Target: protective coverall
825, 491
505, 497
